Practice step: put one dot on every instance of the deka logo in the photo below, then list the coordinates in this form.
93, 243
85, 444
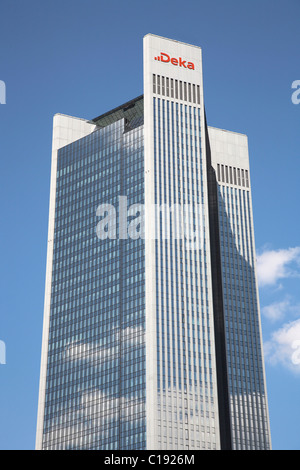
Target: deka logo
163, 57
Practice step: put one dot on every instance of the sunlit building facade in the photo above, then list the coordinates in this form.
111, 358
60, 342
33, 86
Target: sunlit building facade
152, 336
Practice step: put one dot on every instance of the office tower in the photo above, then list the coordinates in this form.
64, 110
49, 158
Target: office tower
240, 335
152, 336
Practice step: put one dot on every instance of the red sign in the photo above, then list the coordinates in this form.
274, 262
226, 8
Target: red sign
163, 57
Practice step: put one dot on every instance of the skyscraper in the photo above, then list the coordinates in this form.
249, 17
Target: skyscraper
152, 336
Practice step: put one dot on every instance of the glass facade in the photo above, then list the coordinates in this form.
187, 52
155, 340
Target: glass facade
248, 403
95, 387
152, 343
187, 409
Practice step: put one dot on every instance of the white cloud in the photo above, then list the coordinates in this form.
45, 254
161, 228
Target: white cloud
96, 411
276, 311
279, 310
92, 352
284, 346
273, 265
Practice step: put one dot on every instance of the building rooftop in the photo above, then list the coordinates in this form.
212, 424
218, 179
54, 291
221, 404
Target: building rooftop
132, 112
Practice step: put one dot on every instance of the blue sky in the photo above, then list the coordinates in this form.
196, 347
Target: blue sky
84, 58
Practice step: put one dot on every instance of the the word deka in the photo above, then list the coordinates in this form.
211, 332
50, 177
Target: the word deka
163, 57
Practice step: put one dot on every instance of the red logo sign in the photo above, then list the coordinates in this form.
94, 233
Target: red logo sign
163, 57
